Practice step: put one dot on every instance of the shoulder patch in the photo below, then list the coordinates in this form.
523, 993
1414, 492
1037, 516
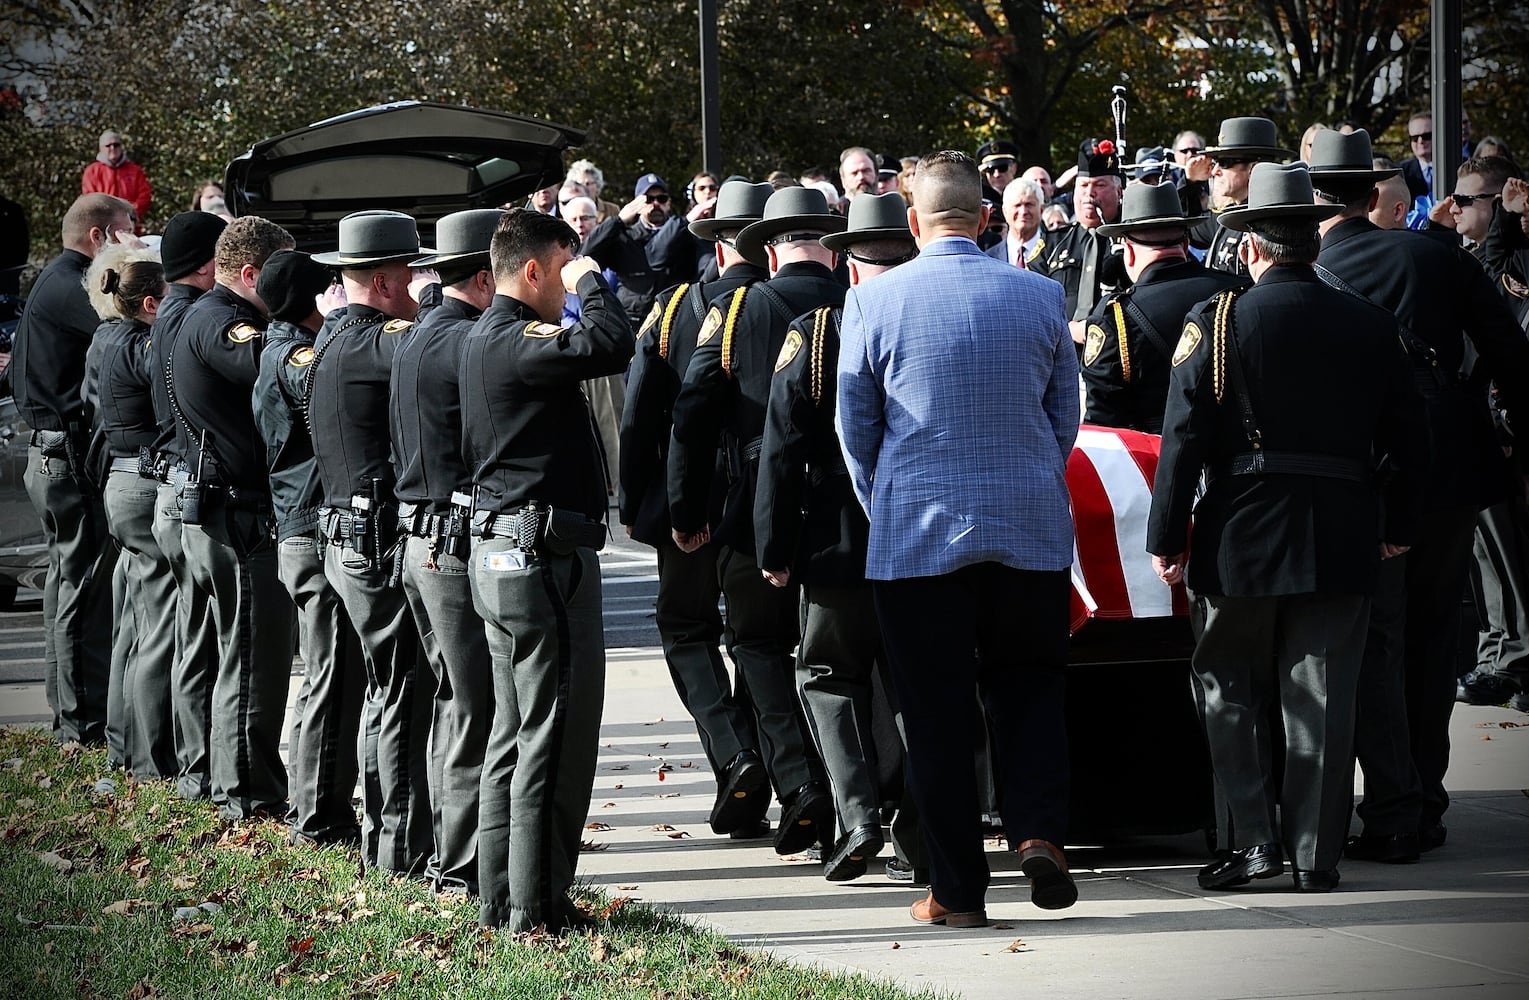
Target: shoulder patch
301, 358
396, 326
789, 350
1093, 343
654, 315
243, 333
541, 331
710, 327
1188, 341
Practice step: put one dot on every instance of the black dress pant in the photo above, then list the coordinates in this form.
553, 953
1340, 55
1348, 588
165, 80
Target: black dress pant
1017, 620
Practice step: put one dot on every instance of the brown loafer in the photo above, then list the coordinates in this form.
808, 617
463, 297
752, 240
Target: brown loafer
1051, 887
927, 911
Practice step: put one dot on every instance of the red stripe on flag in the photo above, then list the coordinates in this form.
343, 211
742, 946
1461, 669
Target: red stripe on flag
1094, 531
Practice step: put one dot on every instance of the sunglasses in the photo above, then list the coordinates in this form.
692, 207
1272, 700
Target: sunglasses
998, 166
1467, 200
1191, 150
1422, 137
1227, 163
658, 199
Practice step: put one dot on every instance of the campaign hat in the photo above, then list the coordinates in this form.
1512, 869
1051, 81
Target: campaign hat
1277, 193
1148, 206
872, 217
1248, 138
738, 203
800, 209
463, 238
375, 237
1339, 157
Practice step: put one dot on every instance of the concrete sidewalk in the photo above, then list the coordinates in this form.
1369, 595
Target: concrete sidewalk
1455, 925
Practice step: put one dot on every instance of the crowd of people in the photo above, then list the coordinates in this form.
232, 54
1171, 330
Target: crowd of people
843, 411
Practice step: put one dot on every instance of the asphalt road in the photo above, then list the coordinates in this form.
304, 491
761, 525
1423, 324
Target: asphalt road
629, 572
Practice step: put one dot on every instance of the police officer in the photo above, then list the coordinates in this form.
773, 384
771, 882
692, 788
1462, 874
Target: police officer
187, 250
811, 530
689, 624
1446, 309
540, 487
347, 406
727, 385
1240, 144
1130, 335
434, 515
1079, 256
226, 523
130, 285
1280, 395
326, 718
47, 370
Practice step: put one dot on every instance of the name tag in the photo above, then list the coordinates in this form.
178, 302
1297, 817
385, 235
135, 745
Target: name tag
504, 562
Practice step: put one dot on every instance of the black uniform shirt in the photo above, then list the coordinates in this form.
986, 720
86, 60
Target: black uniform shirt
426, 409
1219, 243
1085, 263
280, 417
664, 346
1125, 367
125, 410
527, 431
171, 439
727, 386
348, 402
212, 372
807, 517
48, 357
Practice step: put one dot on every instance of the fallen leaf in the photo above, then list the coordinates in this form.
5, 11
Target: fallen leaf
621, 767
661, 770
617, 787
44, 782
661, 827
626, 888
122, 907
609, 805
597, 826
678, 835
55, 861
14, 764
895, 946
382, 980
299, 946
192, 930
663, 746
1003, 927
142, 990
666, 795
599, 949
613, 906
688, 764
1485, 737
1016, 945
137, 866
25, 803
182, 883
590, 845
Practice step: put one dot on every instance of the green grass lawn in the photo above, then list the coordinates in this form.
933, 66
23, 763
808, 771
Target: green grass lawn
90, 886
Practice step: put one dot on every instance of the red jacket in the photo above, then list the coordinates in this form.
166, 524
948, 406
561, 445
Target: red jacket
126, 181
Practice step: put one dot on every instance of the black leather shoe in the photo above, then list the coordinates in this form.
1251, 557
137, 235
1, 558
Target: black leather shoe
753, 830
1242, 867
1520, 702
1388, 848
899, 870
743, 793
849, 855
1431, 835
1320, 880
1478, 688
808, 812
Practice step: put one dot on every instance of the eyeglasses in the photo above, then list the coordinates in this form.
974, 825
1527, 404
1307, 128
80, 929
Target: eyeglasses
111, 145
658, 199
1422, 137
584, 218
998, 166
1467, 200
1191, 150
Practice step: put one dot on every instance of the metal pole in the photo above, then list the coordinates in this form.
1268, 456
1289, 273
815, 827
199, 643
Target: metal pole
1444, 24
711, 90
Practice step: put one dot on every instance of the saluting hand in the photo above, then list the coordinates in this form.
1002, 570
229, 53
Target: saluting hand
1515, 196
701, 210
777, 577
1169, 569
1199, 167
1443, 213
576, 269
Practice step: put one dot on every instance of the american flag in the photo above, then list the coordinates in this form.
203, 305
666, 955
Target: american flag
1110, 477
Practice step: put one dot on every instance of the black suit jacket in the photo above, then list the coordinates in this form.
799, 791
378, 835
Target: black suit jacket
1412, 173
1326, 376
1441, 294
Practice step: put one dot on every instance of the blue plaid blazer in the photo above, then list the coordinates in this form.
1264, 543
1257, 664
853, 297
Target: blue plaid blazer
957, 411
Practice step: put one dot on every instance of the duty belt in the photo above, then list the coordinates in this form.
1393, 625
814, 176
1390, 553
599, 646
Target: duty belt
234, 498
133, 465
533, 528
1292, 463
177, 476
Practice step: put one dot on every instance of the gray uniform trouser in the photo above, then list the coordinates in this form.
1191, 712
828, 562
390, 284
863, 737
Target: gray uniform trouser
765, 623
1301, 653
76, 602
690, 627
322, 749
452, 634
841, 642
395, 722
545, 628
118, 704
196, 655
1500, 582
233, 560
148, 604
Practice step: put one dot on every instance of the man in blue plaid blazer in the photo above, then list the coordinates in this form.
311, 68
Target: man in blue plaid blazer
958, 407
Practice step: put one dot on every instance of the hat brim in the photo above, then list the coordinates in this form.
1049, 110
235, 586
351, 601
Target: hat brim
709, 229
436, 259
839, 242
338, 259
1354, 174
751, 240
1249, 153
1138, 225
1243, 219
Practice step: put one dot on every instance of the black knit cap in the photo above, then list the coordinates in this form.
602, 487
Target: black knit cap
289, 282
188, 242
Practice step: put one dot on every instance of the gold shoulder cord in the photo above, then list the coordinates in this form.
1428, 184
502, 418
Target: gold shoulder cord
1224, 328
1125, 351
819, 334
733, 310
663, 330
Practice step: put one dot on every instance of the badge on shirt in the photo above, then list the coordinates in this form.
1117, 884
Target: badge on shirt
654, 315
1093, 343
396, 326
788, 350
710, 327
541, 331
1188, 341
242, 333
301, 358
